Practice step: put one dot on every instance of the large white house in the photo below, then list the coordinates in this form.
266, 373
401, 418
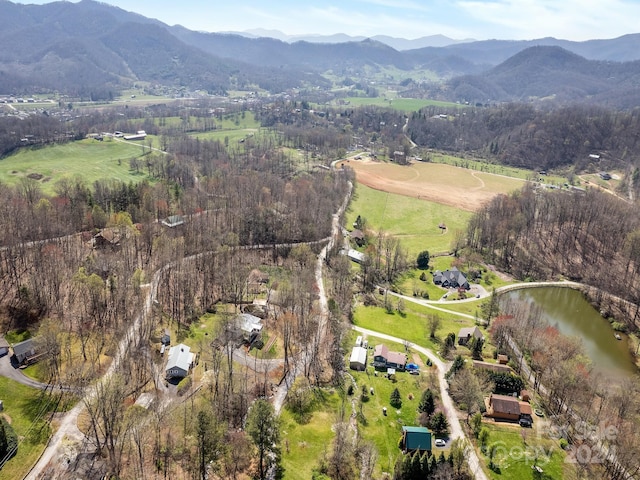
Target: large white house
180, 361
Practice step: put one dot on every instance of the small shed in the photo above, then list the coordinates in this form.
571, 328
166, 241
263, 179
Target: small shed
525, 396
503, 359
358, 359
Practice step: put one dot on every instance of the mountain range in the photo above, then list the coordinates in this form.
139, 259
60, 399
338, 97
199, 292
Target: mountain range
94, 49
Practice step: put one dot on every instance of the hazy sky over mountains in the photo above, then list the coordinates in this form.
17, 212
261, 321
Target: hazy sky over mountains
458, 19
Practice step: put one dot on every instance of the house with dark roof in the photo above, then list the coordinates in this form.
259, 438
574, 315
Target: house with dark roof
358, 237
453, 278
384, 359
415, 439
504, 407
467, 333
25, 351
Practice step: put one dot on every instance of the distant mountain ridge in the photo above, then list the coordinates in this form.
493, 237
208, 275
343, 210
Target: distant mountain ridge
92, 48
399, 44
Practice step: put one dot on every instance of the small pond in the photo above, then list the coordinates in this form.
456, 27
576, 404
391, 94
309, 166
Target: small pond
568, 310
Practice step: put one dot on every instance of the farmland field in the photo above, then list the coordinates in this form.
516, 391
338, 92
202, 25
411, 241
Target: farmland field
90, 159
454, 186
414, 222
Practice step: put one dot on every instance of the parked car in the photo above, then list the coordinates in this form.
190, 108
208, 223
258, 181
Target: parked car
414, 372
440, 442
525, 422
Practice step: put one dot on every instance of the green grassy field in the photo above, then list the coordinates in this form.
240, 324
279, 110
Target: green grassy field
307, 442
412, 325
25, 410
494, 168
415, 222
89, 159
397, 103
515, 456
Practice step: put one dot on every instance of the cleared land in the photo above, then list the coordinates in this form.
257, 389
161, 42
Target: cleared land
89, 159
445, 184
414, 222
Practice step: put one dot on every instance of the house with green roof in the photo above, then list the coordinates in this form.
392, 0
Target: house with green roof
415, 438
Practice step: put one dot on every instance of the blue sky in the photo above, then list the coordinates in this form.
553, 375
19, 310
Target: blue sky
458, 19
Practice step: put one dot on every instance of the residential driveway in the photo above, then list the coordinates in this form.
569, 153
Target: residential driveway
9, 371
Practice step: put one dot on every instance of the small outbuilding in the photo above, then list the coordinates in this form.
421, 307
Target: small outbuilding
415, 439
466, 334
358, 359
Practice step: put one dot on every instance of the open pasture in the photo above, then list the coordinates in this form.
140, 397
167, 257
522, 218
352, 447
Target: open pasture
414, 222
89, 159
444, 184
400, 104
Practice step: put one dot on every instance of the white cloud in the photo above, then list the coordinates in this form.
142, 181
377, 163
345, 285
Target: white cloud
571, 19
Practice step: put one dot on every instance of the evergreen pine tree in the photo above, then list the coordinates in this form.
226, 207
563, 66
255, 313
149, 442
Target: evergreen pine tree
395, 400
427, 403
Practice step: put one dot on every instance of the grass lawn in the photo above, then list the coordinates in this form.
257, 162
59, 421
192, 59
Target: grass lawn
411, 326
307, 442
25, 410
481, 166
88, 159
384, 431
414, 222
515, 456
401, 104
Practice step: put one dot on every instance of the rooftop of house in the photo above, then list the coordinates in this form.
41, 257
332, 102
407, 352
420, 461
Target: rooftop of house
470, 332
23, 347
397, 357
417, 438
505, 404
381, 350
180, 356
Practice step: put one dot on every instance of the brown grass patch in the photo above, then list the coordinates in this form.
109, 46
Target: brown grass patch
445, 184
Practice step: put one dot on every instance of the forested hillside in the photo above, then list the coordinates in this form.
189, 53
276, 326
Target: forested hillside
589, 237
539, 139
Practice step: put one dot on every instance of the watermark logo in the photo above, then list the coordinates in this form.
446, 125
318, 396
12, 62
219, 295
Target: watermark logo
591, 443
